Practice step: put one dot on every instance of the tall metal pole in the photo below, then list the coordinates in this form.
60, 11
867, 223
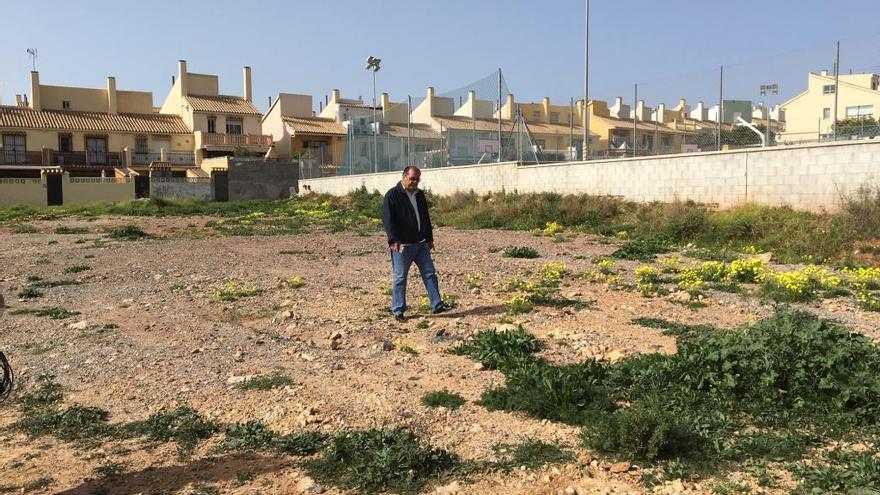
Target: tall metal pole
375, 128
635, 125
499, 114
409, 130
570, 128
720, 111
586, 121
836, 86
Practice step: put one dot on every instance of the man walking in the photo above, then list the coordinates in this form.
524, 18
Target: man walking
411, 239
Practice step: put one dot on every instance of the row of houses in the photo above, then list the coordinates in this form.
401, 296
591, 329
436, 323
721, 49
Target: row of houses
114, 132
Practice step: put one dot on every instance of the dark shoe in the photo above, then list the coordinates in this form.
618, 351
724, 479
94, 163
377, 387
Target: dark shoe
442, 308
400, 317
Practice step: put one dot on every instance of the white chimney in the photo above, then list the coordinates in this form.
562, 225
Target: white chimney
248, 91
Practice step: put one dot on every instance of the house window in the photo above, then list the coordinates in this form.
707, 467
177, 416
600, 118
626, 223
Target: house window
233, 126
828, 89
65, 104
65, 143
14, 148
826, 113
212, 124
666, 141
859, 111
140, 145
554, 117
96, 147
540, 143
536, 115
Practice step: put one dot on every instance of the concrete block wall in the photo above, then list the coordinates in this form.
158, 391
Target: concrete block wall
83, 190
22, 192
808, 177
181, 188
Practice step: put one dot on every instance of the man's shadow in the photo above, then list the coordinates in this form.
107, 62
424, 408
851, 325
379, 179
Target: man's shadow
170, 479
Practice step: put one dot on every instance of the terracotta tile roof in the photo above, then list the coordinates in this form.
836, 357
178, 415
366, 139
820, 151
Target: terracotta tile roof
314, 125
556, 128
419, 131
25, 118
222, 104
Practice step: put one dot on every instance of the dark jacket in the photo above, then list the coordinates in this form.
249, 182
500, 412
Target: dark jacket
400, 219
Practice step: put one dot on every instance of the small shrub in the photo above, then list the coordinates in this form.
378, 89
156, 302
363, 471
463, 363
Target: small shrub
868, 301
127, 233
38, 484
73, 423
29, 293
640, 250
374, 461
644, 432
793, 286
520, 252
647, 280
408, 350
443, 398
690, 282
475, 280
52, 312
266, 382
294, 282
569, 394
679, 330
48, 284
108, 469
77, 269
249, 436
301, 444
71, 230
531, 454
518, 305
712, 271
493, 348
747, 270
47, 394
231, 291
669, 264
605, 265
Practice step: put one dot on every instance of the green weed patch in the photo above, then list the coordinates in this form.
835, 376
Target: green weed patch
374, 461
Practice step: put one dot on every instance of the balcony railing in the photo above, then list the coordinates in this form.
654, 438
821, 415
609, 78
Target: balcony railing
237, 139
185, 159
87, 158
15, 157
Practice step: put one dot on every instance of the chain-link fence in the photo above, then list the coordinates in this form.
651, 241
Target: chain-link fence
773, 100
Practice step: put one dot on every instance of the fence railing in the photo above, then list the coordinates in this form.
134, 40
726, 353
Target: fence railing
16, 157
219, 139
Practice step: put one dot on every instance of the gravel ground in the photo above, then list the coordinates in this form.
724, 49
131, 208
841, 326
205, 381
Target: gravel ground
174, 345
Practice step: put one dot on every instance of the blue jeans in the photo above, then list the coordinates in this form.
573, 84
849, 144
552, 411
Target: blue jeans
419, 253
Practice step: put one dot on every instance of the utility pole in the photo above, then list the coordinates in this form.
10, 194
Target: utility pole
586, 121
836, 86
499, 114
720, 111
373, 64
409, 130
635, 125
570, 128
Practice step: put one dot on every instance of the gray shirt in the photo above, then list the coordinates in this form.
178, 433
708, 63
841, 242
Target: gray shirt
412, 199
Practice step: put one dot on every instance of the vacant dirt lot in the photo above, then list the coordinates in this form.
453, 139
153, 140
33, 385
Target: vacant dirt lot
149, 337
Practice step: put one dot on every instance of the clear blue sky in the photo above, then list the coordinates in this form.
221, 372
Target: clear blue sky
672, 48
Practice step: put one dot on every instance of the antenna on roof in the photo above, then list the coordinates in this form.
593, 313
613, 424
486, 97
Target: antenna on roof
32, 52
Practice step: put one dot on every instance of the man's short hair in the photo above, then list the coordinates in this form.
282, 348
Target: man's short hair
410, 167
